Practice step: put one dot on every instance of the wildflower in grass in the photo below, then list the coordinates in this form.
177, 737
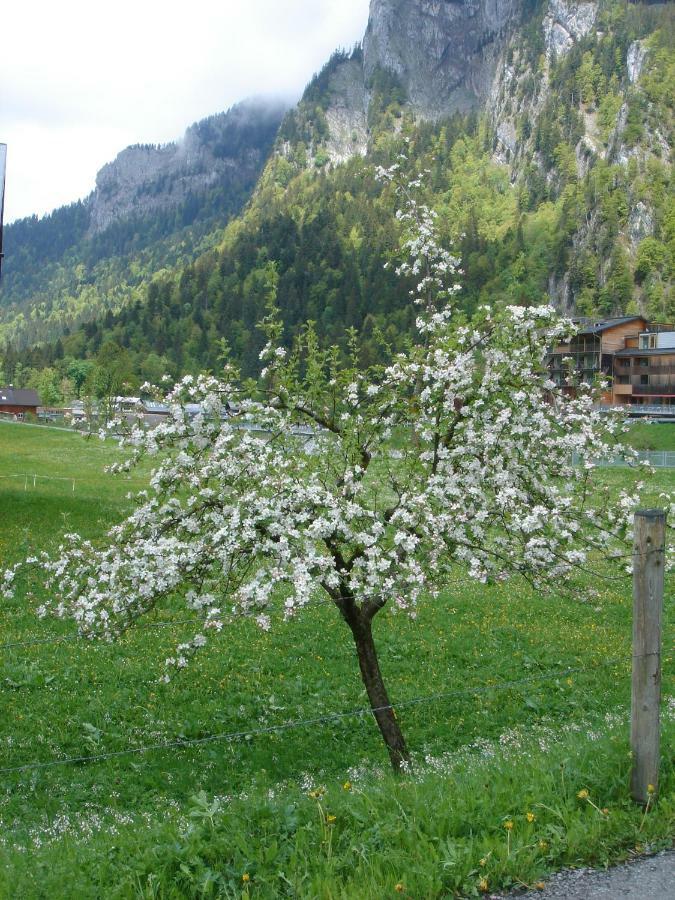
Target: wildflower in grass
543, 846
540, 885
399, 888
483, 885
651, 790
246, 878
509, 828
347, 786
530, 816
584, 795
330, 819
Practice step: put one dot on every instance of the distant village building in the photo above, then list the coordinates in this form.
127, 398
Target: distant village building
18, 401
636, 356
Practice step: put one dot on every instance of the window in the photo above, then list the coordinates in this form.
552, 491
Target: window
647, 342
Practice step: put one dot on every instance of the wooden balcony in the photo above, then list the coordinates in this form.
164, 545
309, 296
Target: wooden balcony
663, 390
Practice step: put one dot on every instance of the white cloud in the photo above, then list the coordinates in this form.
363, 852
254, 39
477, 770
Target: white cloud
79, 81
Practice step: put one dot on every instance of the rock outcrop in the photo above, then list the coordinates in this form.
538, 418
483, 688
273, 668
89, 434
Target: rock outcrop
347, 115
443, 51
567, 21
228, 148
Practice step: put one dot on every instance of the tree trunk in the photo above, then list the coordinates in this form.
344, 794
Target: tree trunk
361, 629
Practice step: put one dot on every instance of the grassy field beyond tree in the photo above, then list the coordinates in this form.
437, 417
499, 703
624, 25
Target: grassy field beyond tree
529, 711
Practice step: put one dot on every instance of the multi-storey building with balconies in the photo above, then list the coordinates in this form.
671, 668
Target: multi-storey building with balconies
636, 358
644, 370
590, 353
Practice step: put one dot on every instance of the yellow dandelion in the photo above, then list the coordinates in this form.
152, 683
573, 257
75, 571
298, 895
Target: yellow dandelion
483, 885
508, 825
399, 888
540, 885
246, 878
347, 786
330, 819
482, 862
530, 816
543, 845
583, 794
650, 789
604, 811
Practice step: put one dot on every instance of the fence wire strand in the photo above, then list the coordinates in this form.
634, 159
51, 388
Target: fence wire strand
318, 720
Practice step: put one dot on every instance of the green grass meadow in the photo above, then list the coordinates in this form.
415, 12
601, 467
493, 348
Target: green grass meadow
311, 811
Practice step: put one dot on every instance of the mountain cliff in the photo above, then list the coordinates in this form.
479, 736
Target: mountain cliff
225, 150
545, 129
444, 52
152, 207
437, 57
575, 98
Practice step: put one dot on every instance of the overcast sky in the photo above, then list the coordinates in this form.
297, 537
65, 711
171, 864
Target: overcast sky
80, 81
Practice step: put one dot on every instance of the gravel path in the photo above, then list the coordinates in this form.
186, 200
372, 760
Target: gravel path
649, 878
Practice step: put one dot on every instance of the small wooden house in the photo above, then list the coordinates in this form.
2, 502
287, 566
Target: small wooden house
18, 401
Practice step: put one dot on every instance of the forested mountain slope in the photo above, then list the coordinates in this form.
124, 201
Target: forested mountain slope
153, 207
547, 153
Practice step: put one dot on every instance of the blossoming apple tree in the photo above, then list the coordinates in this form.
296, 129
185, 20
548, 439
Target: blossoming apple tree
458, 453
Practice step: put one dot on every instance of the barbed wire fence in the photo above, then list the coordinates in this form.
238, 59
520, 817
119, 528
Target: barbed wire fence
361, 712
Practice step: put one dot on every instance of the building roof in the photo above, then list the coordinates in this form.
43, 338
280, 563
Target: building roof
635, 351
19, 397
153, 406
606, 324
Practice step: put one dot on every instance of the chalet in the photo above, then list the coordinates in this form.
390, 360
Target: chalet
18, 401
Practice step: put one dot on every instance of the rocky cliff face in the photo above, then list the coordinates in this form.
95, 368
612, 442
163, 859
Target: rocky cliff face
567, 21
444, 51
229, 148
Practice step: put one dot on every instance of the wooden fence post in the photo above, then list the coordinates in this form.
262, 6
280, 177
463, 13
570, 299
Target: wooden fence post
648, 576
